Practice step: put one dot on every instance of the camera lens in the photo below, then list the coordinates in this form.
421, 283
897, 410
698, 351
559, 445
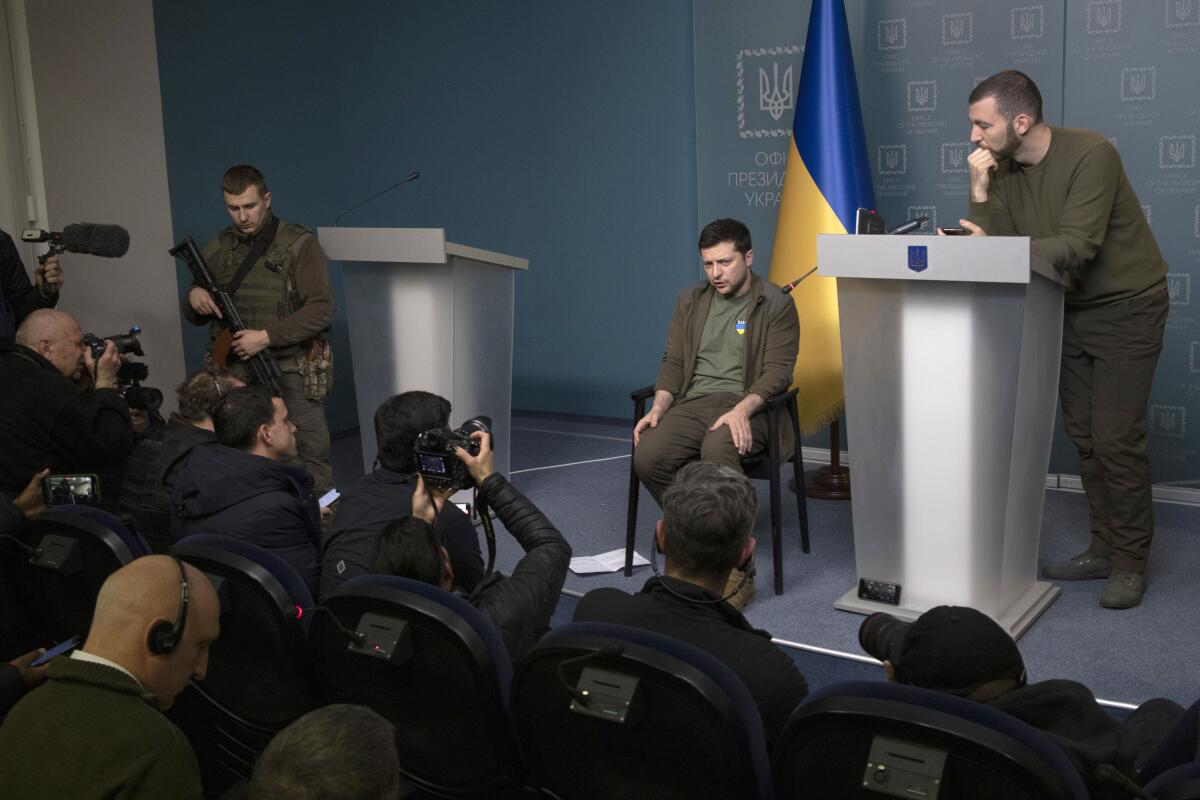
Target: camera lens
146, 398
880, 636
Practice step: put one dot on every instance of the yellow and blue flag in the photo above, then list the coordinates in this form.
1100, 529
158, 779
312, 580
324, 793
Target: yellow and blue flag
828, 178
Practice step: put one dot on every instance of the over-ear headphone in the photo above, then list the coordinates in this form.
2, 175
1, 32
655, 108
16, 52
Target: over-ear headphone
747, 569
165, 636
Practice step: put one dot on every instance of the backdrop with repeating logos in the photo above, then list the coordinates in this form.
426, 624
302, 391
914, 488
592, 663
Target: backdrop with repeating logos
1125, 68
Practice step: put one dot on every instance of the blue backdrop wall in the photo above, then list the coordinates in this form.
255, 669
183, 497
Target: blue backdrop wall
568, 132
562, 132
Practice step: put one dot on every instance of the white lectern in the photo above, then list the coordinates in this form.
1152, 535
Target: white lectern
427, 314
950, 350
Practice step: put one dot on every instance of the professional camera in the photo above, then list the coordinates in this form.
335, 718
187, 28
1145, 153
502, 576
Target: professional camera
131, 373
436, 461
126, 343
881, 636
129, 383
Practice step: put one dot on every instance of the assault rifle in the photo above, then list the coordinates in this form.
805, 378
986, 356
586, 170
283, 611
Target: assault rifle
262, 362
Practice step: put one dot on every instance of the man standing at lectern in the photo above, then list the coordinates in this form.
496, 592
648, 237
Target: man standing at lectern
731, 344
1066, 189
278, 278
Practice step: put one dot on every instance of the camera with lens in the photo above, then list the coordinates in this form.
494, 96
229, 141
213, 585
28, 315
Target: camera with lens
131, 373
881, 636
126, 343
436, 461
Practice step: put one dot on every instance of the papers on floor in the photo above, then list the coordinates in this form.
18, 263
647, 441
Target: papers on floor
611, 561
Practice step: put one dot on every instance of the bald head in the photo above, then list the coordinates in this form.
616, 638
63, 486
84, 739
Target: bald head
137, 597
56, 337
45, 323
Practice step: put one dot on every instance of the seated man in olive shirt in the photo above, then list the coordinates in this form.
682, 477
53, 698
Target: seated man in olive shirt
731, 345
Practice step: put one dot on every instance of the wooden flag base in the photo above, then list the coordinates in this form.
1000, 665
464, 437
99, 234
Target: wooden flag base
832, 482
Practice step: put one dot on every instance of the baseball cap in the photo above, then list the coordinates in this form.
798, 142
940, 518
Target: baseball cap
953, 649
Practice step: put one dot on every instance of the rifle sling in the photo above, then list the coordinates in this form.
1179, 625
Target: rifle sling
261, 242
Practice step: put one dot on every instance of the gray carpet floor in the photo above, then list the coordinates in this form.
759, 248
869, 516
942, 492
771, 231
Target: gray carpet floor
577, 471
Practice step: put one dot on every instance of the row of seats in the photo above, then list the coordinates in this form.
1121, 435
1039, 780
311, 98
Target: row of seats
594, 711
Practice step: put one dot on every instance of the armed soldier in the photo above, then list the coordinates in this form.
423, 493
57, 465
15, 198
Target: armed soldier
278, 278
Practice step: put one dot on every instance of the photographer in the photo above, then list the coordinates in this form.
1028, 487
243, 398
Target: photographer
385, 494
156, 460
520, 605
48, 419
18, 297
963, 652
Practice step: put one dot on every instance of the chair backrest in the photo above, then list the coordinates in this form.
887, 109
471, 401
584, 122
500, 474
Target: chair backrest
1177, 783
259, 676
75, 549
435, 667
848, 735
661, 718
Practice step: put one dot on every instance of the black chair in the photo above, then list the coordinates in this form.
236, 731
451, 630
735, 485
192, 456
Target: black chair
435, 667
850, 739
605, 711
260, 677
66, 555
1177, 783
780, 409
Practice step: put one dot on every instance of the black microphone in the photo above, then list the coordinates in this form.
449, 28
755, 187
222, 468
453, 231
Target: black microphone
607, 651
906, 227
87, 238
787, 287
412, 176
356, 637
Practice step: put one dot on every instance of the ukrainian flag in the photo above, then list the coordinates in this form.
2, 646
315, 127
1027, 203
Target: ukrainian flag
828, 178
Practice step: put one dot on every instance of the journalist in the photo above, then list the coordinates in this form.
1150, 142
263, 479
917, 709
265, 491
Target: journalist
520, 604
963, 652
18, 296
60, 408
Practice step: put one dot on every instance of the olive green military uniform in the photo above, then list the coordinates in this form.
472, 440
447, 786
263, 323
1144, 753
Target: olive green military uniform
287, 294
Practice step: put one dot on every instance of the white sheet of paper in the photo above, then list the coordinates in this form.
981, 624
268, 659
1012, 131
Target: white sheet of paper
611, 561
329, 497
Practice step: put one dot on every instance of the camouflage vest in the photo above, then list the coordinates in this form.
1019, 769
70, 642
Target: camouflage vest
268, 292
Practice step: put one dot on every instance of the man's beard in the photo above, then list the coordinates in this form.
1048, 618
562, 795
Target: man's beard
1011, 143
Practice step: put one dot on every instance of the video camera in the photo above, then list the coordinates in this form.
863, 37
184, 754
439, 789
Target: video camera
436, 461
131, 373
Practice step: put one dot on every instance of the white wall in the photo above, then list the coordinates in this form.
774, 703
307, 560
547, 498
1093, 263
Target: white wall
99, 114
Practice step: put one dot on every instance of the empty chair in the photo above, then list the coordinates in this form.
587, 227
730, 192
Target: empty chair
850, 740
259, 677
436, 668
606, 711
65, 555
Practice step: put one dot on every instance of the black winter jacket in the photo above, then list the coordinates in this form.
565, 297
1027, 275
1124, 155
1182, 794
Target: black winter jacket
521, 604
228, 492
46, 420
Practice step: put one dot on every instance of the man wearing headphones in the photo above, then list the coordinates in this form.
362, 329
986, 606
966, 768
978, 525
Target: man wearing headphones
708, 514
96, 728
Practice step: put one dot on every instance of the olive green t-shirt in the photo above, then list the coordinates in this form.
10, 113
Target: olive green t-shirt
719, 359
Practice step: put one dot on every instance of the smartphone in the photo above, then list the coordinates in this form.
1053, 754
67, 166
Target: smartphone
71, 490
57, 650
956, 231
329, 498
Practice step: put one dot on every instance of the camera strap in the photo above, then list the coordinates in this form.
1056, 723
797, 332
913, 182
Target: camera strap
489, 533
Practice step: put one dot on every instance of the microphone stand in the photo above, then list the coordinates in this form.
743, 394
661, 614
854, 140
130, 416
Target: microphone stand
412, 176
